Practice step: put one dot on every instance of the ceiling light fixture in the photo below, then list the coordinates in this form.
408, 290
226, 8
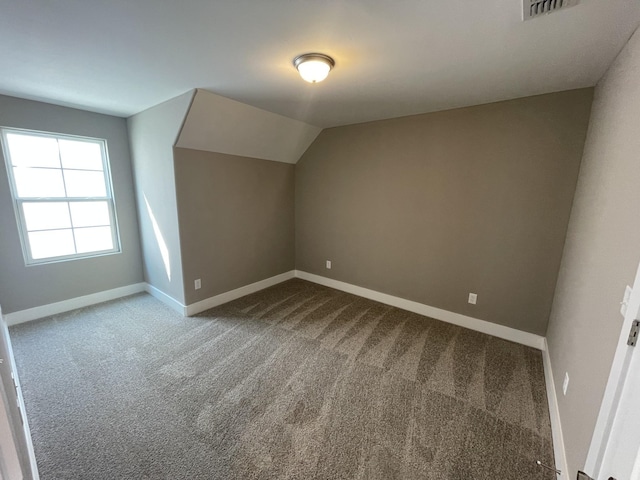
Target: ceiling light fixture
313, 67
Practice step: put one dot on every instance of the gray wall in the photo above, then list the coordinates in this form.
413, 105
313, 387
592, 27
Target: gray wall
432, 207
23, 287
152, 134
601, 253
236, 220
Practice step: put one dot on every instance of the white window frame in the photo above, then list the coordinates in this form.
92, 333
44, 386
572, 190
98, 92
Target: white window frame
19, 201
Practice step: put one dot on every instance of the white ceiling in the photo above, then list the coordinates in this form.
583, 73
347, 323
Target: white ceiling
393, 57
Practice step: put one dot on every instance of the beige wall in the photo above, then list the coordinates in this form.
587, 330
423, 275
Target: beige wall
23, 287
236, 220
432, 207
601, 253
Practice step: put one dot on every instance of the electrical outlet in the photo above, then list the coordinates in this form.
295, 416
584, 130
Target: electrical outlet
329, 264
565, 384
198, 284
473, 298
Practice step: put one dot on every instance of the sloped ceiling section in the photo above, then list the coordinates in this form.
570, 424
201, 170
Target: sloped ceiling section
218, 124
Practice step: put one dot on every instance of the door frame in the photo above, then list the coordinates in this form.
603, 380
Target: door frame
615, 384
11, 392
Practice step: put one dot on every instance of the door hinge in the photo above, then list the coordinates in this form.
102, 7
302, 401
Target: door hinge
584, 476
633, 334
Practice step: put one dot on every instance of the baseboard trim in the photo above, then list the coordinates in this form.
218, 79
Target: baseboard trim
500, 331
554, 413
35, 313
166, 299
483, 326
216, 300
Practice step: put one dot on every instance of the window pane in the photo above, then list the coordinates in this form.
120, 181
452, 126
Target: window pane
93, 239
61, 186
52, 243
46, 216
89, 214
85, 184
82, 155
33, 151
38, 182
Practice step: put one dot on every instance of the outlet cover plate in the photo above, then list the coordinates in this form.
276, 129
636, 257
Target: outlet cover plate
473, 298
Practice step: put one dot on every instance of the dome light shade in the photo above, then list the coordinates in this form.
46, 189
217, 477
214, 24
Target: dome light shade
313, 67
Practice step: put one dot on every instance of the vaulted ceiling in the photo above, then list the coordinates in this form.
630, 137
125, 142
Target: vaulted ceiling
393, 58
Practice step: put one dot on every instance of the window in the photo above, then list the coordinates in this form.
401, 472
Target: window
62, 195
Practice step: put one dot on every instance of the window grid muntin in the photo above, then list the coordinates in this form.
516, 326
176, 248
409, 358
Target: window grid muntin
19, 201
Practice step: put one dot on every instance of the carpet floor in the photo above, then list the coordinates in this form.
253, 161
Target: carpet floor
297, 381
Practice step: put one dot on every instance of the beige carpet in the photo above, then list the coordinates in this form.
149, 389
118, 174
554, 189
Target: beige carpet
295, 382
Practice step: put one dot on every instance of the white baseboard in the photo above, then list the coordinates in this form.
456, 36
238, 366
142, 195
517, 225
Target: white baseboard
500, 331
166, 299
67, 305
211, 302
186, 310
554, 413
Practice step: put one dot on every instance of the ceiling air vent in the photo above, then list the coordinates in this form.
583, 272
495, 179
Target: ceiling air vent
537, 8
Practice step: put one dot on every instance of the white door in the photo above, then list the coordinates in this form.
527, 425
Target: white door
621, 454
16, 450
615, 448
